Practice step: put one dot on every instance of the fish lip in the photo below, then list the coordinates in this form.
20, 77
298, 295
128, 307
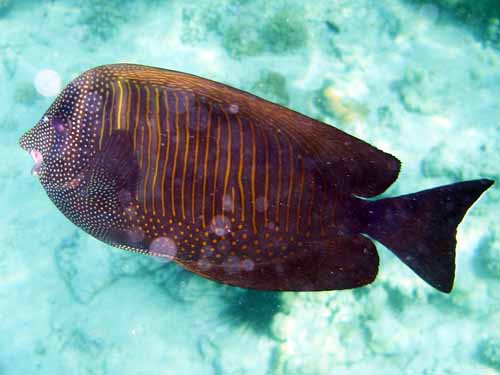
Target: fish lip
38, 160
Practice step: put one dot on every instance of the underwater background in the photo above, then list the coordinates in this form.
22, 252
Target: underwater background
418, 79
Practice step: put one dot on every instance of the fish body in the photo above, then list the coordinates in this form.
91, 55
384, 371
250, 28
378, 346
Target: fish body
232, 187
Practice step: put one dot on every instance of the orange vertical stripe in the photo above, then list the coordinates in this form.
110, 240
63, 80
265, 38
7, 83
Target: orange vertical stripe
176, 152
232, 200
228, 160
280, 174
120, 102
195, 163
136, 126
216, 167
158, 147
129, 103
186, 152
112, 108
137, 111
103, 118
266, 175
205, 164
240, 171
165, 162
254, 155
148, 165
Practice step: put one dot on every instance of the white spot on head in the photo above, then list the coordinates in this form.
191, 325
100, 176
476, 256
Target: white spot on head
220, 225
48, 82
94, 100
164, 247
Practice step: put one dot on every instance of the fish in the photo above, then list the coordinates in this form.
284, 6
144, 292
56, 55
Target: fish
235, 188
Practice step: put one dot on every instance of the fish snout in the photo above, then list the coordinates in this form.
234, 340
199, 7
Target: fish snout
23, 142
28, 143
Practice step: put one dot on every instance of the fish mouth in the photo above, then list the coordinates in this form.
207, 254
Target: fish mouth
38, 160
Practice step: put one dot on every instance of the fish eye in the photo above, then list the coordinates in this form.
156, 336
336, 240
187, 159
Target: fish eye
59, 125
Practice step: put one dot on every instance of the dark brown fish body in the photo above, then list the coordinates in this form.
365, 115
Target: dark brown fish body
233, 187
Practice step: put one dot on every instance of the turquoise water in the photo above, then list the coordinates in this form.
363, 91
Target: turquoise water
420, 80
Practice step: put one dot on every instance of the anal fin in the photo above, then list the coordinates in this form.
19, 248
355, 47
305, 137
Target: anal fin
342, 262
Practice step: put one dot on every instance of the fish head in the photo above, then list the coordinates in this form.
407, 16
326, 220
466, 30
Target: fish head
37, 142
60, 143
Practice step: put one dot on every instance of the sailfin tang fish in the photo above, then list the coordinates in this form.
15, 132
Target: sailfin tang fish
235, 188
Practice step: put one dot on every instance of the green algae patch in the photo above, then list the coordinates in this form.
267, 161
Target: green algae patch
242, 40
483, 16
489, 352
103, 19
247, 28
272, 86
285, 31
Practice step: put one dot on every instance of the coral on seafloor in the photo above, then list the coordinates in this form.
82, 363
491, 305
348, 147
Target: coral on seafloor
334, 102
482, 15
418, 90
489, 352
242, 40
102, 19
488, 256
243, 30
283, 32
460, 161
272, 86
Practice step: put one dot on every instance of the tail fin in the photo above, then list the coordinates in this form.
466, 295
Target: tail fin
420, 228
